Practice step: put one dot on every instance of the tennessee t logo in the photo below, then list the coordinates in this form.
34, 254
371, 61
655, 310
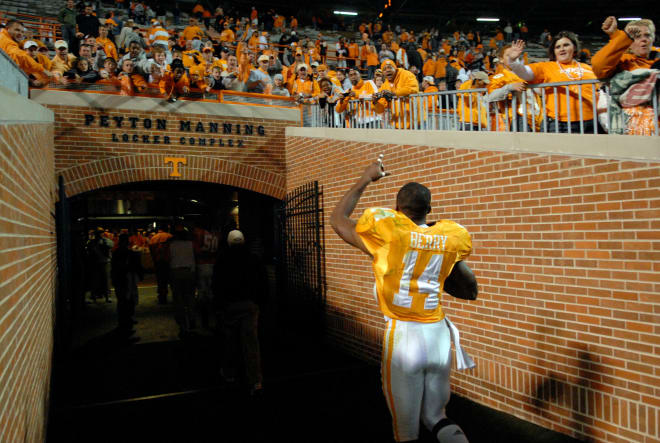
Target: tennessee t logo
175, 165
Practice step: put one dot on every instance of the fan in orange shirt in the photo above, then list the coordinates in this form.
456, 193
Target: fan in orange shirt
304, 88
626, 51
175, 82
472, 110
227, 35
561, 68
192, 31
130, 82
429, 66
503, 87
372, 60
428, 106
393, 95
108, 45
9, 38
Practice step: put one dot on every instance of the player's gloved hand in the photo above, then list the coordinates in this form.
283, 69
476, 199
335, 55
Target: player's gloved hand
375, 171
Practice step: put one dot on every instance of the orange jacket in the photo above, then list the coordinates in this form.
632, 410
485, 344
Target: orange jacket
167, 85
613, 58
471, 109
310, 87
440, 67
372, 57
353, 50
130, 84
403, 84
22, 58
191, 31
108, 47
429, 67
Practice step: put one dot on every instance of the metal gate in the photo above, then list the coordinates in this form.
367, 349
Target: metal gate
302, 263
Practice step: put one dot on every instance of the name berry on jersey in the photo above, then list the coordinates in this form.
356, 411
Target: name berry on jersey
428, 242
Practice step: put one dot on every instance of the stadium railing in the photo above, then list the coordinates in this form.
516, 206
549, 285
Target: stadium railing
42, 28
455, 110
223, 96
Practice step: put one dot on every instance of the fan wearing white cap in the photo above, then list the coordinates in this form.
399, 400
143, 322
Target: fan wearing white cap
32, 48
63, 61
472, 107
259, 81
305, 89
239, 285
428, 86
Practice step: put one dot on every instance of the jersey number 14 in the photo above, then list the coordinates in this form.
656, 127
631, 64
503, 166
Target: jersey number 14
427, 281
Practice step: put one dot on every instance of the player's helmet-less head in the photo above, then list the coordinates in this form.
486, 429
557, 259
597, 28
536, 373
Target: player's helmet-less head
414, 200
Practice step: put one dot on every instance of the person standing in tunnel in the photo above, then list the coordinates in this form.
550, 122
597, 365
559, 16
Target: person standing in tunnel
239, 286
182, 278
100, 248
161, 259
205, 243
125, 271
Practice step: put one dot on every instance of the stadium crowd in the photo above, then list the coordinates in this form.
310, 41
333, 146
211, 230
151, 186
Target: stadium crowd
139, 50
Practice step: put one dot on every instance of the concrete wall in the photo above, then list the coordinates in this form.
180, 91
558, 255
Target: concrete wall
27, 266
566, 234
11, 76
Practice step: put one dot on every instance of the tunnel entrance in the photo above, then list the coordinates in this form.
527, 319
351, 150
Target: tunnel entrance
141, 210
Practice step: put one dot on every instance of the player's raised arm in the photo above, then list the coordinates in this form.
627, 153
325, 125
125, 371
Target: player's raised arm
340, 220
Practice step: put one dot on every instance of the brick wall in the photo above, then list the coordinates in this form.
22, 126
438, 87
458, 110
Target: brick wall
105, 144
27, 278
566, 251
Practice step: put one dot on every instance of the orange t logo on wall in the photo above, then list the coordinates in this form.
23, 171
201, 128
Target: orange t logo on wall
175, 165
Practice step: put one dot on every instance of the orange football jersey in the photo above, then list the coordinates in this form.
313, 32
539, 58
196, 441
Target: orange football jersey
411, 262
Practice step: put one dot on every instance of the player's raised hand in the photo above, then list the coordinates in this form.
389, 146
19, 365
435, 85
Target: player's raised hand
609, 25
376, 170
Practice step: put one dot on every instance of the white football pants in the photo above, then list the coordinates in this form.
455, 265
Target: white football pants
415, 368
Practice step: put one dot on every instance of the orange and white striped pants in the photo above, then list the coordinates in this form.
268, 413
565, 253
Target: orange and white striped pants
415, 368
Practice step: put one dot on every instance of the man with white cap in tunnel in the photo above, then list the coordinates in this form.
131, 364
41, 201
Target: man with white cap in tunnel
239, 285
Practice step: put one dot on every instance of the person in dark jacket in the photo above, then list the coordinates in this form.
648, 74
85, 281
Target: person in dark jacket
84, 71
126, 269
239, 285
88, 23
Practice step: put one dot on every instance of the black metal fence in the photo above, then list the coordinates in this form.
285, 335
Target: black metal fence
302, 263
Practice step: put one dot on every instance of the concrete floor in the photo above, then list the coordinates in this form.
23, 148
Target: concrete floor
162, 389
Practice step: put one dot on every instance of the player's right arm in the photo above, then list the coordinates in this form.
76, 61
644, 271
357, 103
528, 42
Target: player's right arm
340, 220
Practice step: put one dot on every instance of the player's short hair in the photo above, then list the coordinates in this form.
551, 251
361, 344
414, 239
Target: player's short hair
414, 199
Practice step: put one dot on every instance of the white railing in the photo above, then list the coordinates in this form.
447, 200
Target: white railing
476, 110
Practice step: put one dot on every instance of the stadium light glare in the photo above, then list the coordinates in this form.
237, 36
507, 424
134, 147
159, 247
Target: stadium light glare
487, 19
345, 13
629, 19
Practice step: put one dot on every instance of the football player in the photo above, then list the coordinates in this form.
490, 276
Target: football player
413, 262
